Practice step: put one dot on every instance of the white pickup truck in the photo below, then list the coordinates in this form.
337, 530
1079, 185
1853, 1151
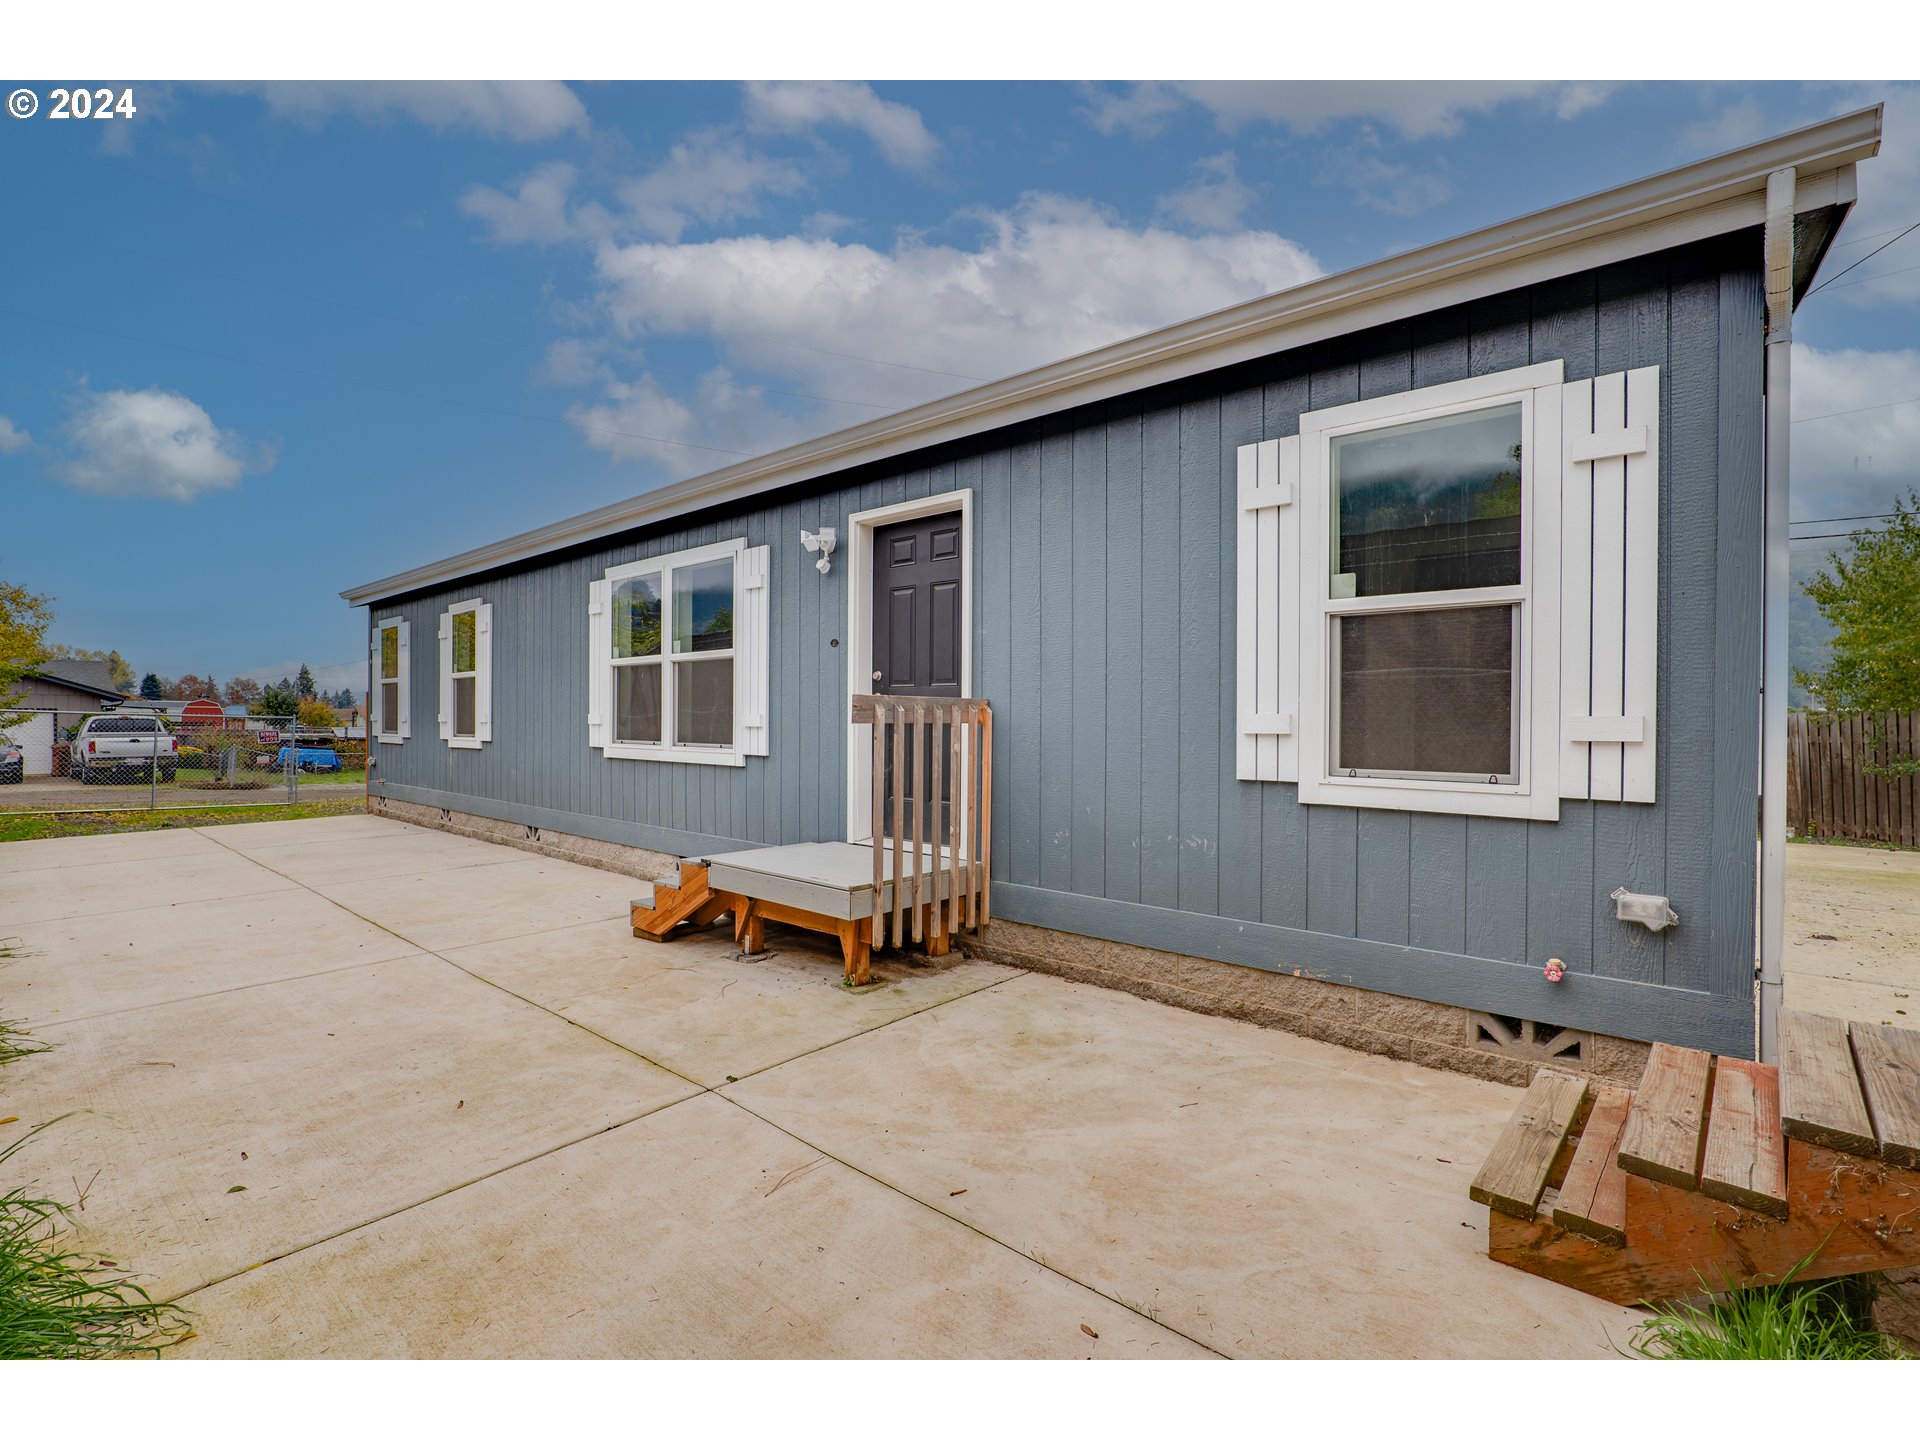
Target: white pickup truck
110, 745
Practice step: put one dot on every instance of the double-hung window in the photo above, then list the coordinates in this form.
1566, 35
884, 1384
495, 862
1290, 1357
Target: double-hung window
466, 675
392, 664
1446, 597
680, 656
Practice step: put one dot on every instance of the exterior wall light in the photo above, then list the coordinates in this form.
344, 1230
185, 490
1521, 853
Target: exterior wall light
1652, 911
822, 541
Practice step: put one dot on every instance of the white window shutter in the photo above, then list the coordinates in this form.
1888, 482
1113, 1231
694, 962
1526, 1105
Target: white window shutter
374, 688
406, 681
599, 654
1267, 612
1610, 577
483, 677
753, 659
446, 674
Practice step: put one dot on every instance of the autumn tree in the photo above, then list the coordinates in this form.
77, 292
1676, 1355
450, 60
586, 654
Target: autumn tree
242, 691
24, 617
317, 715
195, 687
121, 672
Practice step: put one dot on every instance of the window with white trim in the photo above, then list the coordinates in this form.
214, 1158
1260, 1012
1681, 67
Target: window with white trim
1446, 597
392, 666
466, 674
680, 657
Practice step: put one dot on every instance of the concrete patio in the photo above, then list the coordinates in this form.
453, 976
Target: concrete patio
463, 1112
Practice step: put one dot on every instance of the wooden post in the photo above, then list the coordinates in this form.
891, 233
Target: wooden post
897, 717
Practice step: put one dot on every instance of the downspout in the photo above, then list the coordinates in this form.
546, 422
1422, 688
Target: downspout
1775, 675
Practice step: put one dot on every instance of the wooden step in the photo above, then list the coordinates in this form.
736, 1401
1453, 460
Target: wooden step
1666, 1130
690, 902
1593, 1197
1890, 1079
1516, 1170
1746, 1156
1820, 1097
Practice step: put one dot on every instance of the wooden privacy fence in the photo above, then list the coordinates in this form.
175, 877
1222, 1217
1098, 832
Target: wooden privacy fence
932, 822
1832, 790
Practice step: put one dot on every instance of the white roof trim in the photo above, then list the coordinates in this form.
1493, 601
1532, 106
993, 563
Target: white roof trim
1709, 197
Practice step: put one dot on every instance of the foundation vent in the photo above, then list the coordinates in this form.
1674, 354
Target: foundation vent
1530, 1039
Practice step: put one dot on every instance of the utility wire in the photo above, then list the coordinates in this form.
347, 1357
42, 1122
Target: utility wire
1837, 414
1837, 519
1862, 260
1869, 279
369, 385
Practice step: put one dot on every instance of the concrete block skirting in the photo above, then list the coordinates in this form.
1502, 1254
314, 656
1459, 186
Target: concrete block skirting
1440, 1037
600, 854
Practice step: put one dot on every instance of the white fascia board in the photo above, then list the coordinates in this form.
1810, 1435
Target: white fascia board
1710, 197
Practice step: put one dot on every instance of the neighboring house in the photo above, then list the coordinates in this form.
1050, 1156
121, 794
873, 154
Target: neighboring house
1372, 632
85, 686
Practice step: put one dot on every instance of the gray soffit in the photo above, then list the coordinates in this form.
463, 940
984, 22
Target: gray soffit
1709, 197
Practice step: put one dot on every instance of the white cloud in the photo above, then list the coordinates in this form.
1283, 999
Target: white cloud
12, 438
1856, 463
640, 421
1049, 278
1215, 199
796, 107
1889, 202
1414, 108
708, 177
1389, 186
153, 443
535, 213
499, 109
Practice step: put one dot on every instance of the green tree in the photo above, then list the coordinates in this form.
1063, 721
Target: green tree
277, 700
152, 687
1871, 597
303, 684
24, 617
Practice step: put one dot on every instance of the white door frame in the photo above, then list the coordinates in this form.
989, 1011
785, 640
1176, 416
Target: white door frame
860, 528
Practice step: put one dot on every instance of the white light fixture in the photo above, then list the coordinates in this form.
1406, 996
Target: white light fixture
822, 541
1652, 911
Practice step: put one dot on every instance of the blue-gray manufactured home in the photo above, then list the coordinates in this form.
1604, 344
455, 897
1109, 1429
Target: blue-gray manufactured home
1406, 630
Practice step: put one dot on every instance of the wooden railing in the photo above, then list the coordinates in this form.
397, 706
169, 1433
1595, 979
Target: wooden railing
932, 815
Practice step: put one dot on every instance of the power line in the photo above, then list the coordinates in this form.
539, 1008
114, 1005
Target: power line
1869, 279
1862, 260
369, 385
1863, 239
1837, 519
1837, 414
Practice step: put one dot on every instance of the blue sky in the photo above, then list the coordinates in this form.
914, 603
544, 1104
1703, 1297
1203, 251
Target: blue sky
267, 341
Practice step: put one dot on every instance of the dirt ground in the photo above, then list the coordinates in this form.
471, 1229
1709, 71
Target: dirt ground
1853, 933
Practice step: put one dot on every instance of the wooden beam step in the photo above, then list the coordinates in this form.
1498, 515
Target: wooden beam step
1667, 1127
1593, 1197
1890, 1077
672, 905
1746, 1156
1820, 1097
1515, 1173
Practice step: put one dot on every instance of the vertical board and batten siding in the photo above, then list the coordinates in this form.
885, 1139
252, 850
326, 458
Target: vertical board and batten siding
1104, 573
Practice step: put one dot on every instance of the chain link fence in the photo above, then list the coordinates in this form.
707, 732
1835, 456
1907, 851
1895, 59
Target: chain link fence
136, 758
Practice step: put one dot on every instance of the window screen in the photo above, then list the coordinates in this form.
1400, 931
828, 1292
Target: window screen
1426, 692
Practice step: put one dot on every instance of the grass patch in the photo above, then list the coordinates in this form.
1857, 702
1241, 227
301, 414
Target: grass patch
60, 1304
1795, 1320
15, 1043
114, 822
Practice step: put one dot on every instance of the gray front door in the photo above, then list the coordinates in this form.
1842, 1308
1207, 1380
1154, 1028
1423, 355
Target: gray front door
916, 641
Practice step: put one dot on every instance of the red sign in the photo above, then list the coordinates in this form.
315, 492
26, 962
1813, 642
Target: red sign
202, 712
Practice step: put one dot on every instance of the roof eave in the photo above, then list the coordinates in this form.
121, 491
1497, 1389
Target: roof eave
1708, 197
